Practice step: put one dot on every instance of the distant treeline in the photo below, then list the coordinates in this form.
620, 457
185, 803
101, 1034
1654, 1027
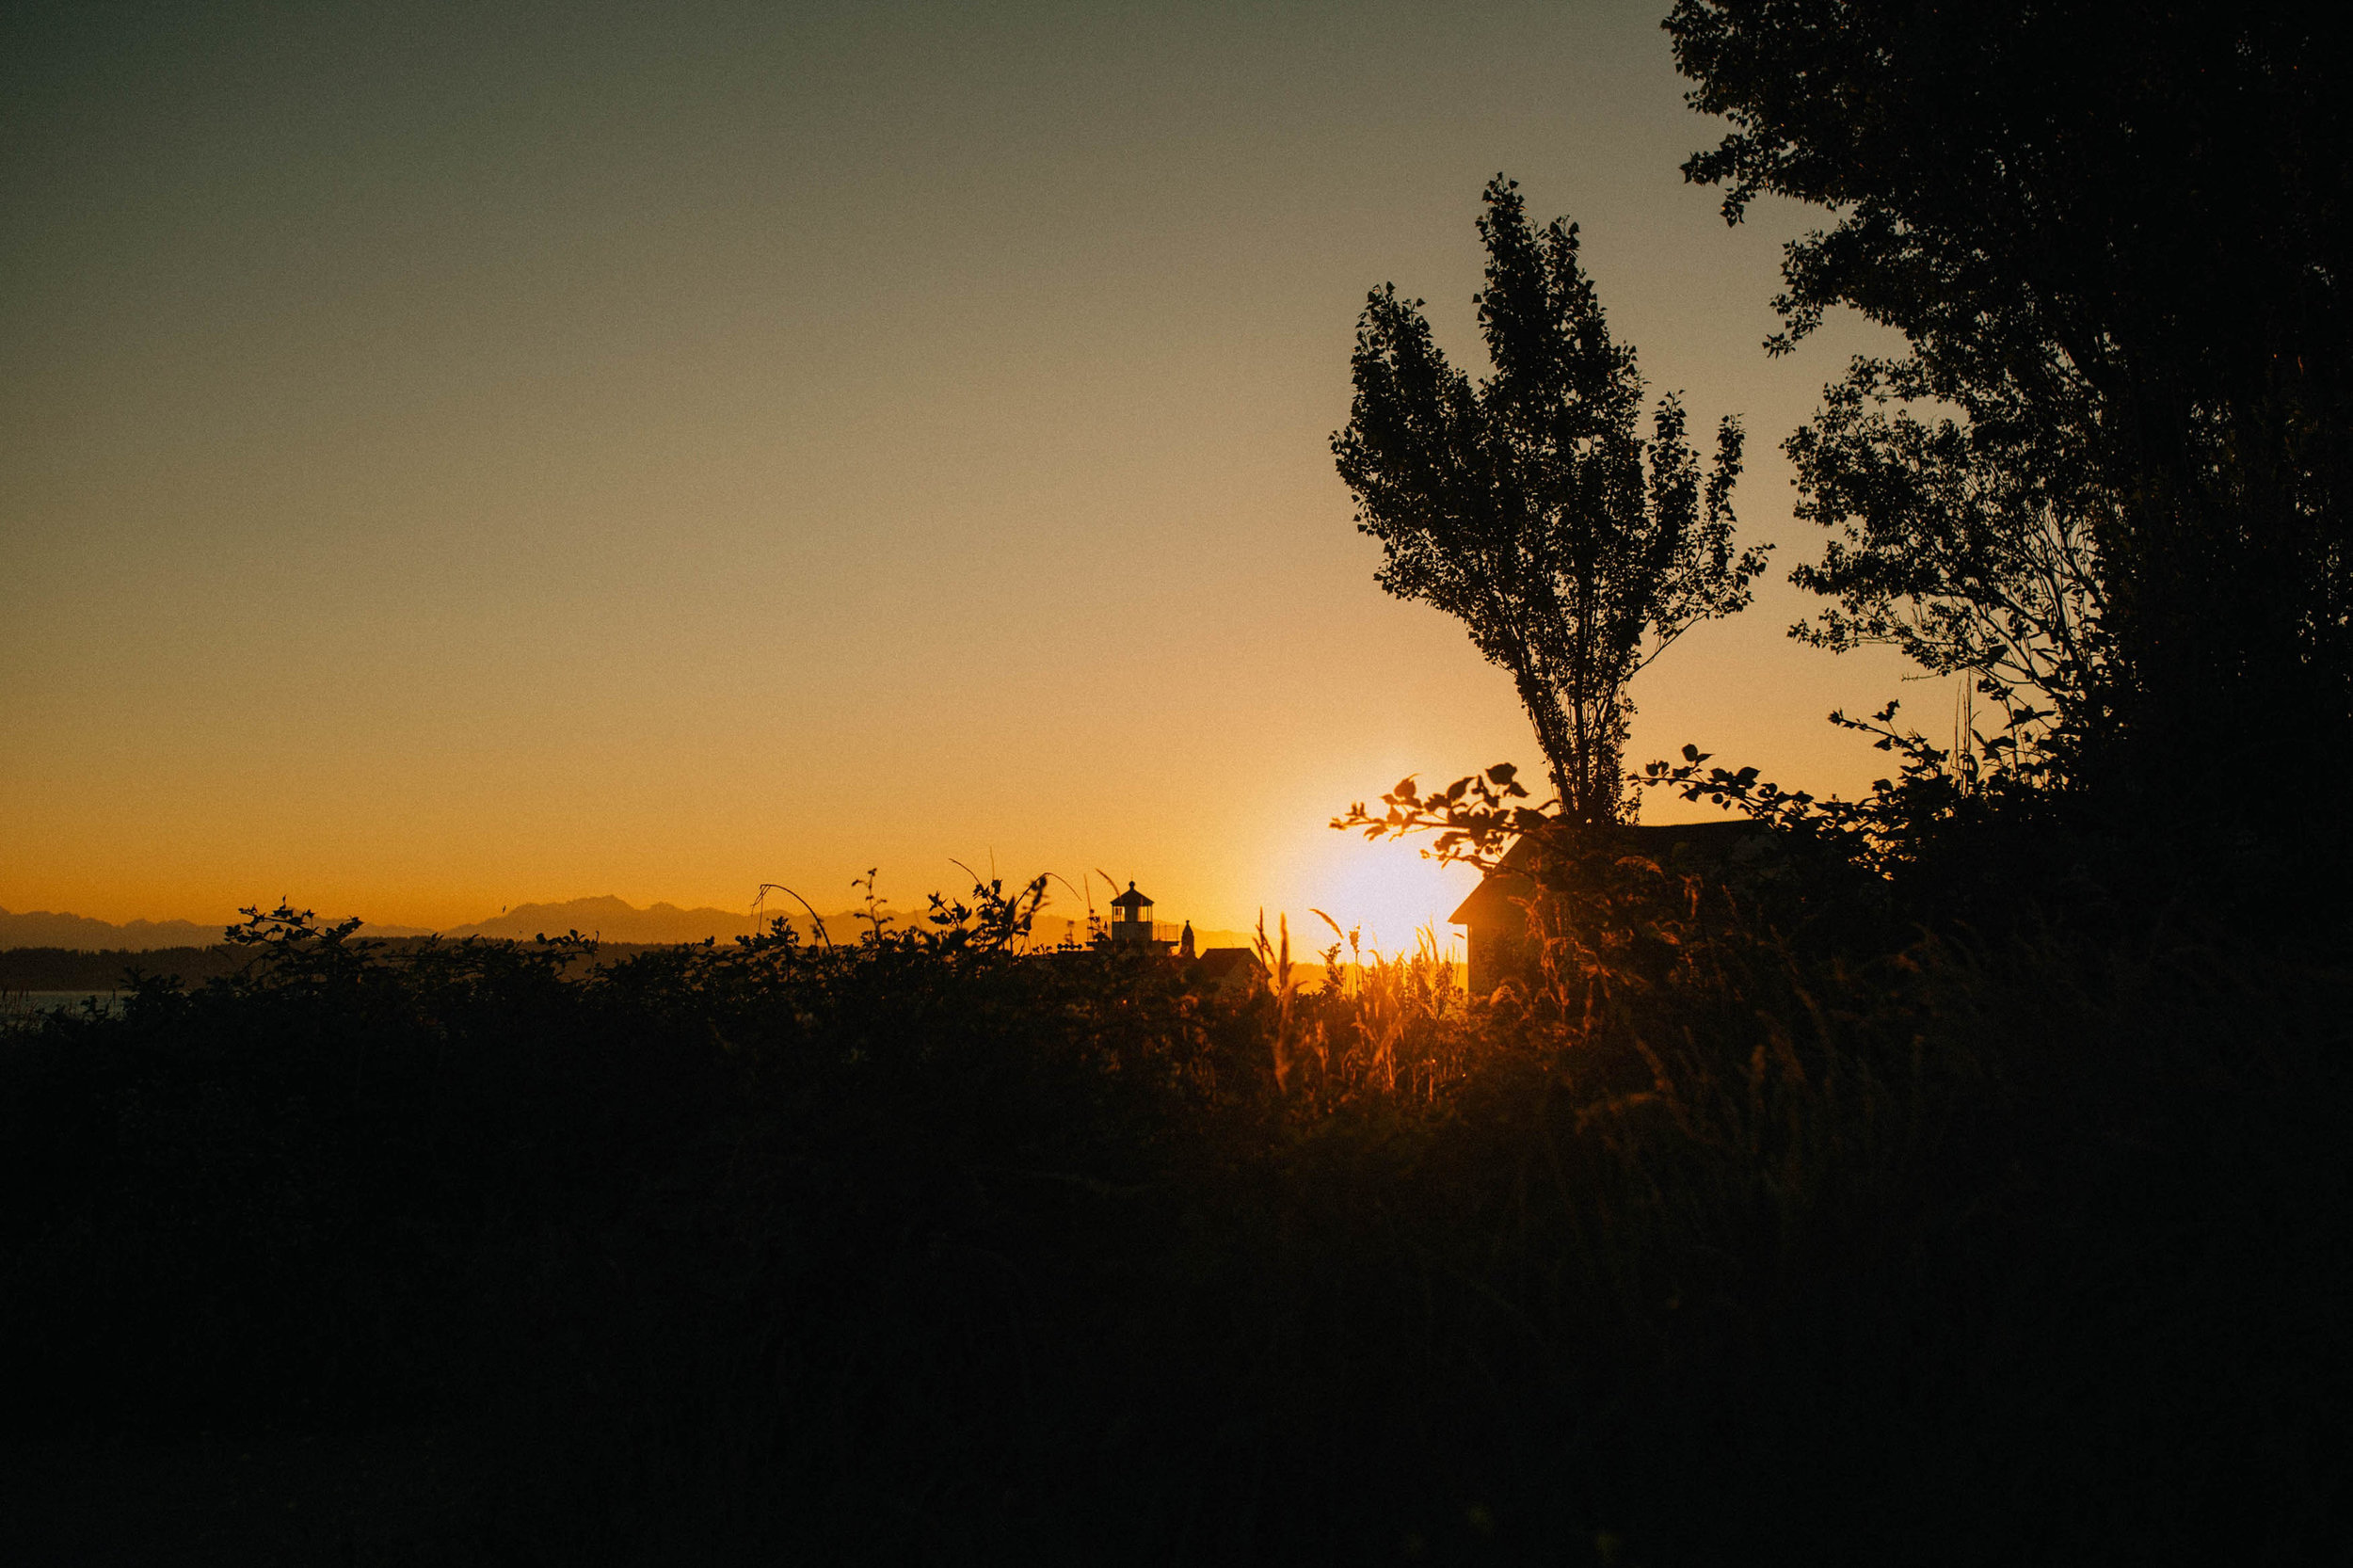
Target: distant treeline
67, 969
112, 968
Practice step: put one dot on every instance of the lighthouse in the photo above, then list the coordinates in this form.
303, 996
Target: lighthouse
1208, 971
1133, 925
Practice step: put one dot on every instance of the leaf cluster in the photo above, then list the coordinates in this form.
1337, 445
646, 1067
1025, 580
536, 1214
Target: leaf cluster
1529, 505
2110, 475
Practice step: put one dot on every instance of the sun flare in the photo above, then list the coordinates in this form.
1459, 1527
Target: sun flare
1389, 891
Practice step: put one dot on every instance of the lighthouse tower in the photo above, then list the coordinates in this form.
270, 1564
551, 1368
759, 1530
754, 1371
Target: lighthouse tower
1133, 925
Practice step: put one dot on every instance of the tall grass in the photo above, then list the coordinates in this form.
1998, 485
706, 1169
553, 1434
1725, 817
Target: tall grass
1722, 1236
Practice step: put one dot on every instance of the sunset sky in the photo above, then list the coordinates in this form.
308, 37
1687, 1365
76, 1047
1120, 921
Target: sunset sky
452, 455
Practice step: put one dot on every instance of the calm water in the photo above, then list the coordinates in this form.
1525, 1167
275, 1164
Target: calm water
42, 1002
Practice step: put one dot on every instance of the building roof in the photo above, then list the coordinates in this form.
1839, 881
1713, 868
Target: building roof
1494, 897
1132, 900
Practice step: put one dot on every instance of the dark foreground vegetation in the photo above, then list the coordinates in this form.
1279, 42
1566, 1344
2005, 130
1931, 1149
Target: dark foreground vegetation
1960, 1178
1763, 1224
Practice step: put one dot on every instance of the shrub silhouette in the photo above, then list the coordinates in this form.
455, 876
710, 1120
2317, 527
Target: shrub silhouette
927, 1246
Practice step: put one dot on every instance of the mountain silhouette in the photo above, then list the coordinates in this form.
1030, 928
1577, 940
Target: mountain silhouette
43, 928
612, 919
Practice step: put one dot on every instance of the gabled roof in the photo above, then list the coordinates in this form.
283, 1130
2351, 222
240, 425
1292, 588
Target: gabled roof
1494, 897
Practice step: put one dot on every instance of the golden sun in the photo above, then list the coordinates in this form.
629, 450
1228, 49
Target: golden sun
1388, 890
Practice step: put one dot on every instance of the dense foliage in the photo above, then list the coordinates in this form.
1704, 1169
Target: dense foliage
1531, 508
2110, 473
1718, 1240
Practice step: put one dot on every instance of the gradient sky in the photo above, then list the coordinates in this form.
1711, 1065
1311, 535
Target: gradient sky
458, 454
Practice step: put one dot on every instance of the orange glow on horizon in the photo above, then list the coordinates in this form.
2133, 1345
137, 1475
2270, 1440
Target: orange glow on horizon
384, 544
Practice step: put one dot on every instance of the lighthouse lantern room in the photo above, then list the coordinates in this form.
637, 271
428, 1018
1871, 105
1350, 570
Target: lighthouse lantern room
1133, 923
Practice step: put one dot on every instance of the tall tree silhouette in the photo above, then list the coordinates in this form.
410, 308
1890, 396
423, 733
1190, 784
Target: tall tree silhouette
2118, 237
1530, 507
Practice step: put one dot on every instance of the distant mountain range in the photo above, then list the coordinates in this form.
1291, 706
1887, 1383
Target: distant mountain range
42, 929
611, 919
608, 918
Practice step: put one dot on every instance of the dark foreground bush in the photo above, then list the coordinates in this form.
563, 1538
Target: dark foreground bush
928, 1251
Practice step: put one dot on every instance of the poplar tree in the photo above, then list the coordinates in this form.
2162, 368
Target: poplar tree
1531, 507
